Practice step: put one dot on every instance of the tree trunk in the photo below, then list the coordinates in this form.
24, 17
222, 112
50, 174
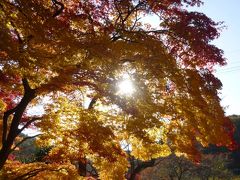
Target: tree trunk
13, 130
4, 152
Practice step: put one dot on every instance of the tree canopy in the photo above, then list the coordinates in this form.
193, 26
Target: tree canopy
70, 56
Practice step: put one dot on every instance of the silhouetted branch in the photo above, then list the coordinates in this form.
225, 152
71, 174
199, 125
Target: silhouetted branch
10, 133
35, 172
60, 7
22, 141
29, 122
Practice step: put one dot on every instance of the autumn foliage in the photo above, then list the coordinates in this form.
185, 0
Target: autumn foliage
69, 56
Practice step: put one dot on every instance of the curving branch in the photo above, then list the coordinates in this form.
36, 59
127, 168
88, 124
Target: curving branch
10, 133
23, 140
29, 122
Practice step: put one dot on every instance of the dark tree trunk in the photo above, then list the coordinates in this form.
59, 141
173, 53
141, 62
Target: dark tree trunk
13, 130
4, 152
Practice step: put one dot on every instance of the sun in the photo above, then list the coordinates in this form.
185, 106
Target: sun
126, 86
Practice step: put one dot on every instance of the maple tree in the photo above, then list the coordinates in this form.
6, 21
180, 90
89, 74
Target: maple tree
75, 53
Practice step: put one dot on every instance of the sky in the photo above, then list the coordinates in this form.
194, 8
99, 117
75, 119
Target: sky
226, 11
229, 41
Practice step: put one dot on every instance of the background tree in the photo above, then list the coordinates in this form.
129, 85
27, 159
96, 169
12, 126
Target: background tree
73, 51
28, 151
233, 155
180, 168
234, 165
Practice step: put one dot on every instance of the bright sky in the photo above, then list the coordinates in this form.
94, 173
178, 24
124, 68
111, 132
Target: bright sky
229, 12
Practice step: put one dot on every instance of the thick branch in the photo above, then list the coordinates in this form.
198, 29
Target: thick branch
29, 94
25, 85
17, 112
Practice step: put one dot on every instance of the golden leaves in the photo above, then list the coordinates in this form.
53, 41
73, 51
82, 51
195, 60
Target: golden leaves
2, 106
146, 151
86, 48
111, 170
76, 133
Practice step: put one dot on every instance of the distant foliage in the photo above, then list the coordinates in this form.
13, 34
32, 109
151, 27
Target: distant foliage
180, 168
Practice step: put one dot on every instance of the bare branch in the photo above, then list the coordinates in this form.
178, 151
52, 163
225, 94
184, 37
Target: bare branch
22, 141
29, 122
